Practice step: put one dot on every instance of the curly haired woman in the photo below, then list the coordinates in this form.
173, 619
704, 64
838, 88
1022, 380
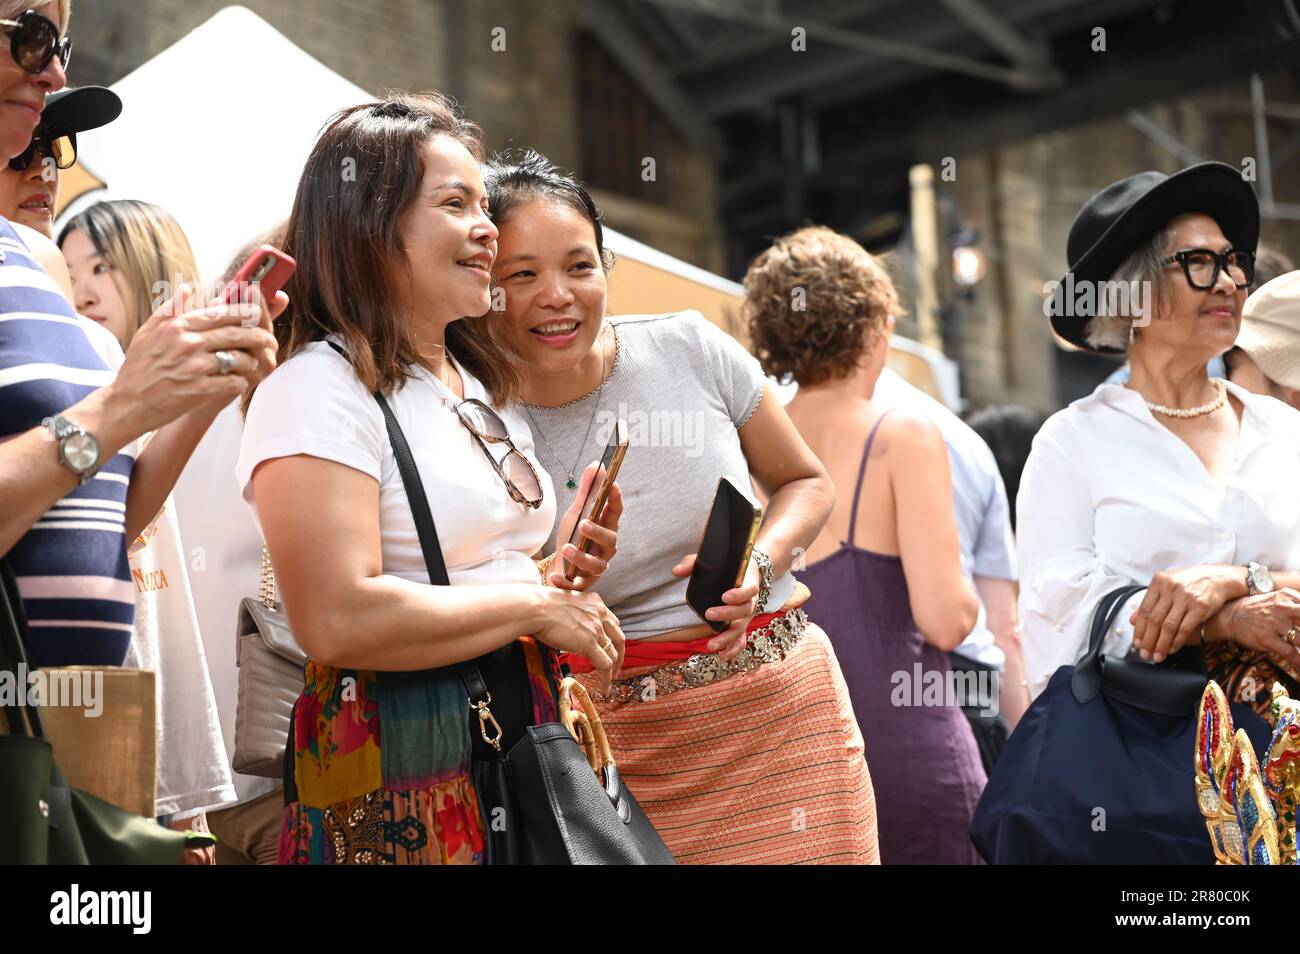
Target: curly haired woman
885, 571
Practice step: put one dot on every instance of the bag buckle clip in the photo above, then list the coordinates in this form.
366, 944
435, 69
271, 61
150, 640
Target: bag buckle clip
485, 720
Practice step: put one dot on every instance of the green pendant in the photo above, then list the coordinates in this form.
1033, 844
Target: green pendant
571, 484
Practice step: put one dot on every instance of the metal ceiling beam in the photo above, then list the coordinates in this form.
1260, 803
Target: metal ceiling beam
1016, 77
1053, 17
1000, 34
663, 31
676, 107
764, 41
1151, 128
1172, 68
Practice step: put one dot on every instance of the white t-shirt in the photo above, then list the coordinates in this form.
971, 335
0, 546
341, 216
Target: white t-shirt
1111, 497
193, 771
224, 553
313, 404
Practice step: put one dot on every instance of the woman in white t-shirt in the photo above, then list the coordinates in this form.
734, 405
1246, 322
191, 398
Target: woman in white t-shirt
121, 255
394, 245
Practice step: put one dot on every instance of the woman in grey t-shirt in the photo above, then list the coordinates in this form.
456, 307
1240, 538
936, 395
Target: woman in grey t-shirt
741, 745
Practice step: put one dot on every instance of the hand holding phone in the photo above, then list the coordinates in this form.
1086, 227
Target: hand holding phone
598, 492
723, 585
268, 268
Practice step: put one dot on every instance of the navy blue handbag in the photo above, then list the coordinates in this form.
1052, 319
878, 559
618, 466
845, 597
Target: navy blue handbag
1100, 768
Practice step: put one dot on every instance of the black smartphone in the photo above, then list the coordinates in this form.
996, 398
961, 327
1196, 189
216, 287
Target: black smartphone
723, 553
598, 492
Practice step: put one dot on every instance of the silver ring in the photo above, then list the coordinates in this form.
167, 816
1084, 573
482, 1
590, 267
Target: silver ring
226, 362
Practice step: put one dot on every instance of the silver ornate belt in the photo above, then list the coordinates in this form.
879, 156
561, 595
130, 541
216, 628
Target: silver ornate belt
768, 644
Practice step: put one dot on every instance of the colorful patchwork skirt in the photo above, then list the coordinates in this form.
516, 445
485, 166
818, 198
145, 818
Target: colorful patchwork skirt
381, 765
764, 767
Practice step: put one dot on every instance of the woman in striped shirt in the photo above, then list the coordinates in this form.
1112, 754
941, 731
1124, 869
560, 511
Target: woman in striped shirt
74, 491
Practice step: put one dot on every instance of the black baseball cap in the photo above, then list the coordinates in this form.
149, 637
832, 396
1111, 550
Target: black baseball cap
76, 110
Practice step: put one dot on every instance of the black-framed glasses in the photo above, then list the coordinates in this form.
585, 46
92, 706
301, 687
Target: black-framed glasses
54, 144
34, 40
1202, 266
514, 469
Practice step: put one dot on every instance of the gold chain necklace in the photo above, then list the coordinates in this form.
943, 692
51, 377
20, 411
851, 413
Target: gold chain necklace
1201, 411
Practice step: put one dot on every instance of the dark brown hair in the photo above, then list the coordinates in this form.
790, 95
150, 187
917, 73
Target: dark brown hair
359, 181
814, 302
518, 176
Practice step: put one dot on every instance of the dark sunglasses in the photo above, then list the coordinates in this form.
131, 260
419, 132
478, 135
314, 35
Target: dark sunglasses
514, 469
60, 146
34, 40
1202, 266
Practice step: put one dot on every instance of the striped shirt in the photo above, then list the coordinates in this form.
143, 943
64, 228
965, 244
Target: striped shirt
71, 567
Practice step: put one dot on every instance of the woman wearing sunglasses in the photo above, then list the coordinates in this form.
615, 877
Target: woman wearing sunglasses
1176, 481
391, 256
740, 744
76, 486
29, 185
1198, 464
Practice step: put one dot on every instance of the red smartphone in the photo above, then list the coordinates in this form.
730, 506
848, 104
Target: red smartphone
267, 267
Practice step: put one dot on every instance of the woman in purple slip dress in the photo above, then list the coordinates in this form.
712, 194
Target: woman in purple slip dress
885, 573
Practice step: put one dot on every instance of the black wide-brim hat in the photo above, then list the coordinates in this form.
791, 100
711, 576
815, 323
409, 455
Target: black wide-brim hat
1121, 216
77, 110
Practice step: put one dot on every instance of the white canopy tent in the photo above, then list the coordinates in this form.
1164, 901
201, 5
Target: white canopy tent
217, 144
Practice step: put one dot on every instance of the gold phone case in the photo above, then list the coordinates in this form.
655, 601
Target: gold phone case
749, 547
602, 494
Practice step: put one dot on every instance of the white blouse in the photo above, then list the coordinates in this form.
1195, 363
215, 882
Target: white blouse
314, 404
1109, 497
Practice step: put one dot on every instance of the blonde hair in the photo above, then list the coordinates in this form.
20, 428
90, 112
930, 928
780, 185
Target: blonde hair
147, 248
11, 8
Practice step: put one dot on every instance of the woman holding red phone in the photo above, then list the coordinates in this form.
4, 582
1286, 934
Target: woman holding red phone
741, 745
389, 262
73, 408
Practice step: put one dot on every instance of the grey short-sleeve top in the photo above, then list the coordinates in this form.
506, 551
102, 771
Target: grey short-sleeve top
684, 387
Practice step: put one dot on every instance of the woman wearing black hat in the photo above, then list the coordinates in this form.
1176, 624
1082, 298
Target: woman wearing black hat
1175, 480
29, 184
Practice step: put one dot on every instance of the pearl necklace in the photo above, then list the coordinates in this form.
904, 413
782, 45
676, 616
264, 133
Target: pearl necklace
1193, 411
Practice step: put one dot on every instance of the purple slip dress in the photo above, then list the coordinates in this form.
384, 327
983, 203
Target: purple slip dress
925, 766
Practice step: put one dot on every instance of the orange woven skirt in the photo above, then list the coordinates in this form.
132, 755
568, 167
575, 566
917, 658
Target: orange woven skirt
765, 767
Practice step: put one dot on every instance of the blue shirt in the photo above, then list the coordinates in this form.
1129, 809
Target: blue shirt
979, 501
71, 567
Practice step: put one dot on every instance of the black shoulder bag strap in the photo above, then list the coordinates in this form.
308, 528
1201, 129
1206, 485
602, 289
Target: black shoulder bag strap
469, 672
1087, 679
1170, 688
13, 654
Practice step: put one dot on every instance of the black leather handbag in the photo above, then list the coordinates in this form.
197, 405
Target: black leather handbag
543, 801
1172, 688
1100, 768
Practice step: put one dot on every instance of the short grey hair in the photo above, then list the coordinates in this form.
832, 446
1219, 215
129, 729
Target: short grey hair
1141, 265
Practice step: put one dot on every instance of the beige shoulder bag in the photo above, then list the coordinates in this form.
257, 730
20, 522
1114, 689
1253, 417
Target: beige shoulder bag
271, 667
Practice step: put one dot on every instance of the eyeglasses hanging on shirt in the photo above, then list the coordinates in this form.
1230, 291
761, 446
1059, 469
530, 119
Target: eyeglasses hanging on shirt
514, 469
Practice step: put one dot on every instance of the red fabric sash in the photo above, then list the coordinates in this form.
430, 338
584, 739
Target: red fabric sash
641, 653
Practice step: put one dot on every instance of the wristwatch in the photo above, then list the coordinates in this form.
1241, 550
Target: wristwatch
78, 448
1258, 579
